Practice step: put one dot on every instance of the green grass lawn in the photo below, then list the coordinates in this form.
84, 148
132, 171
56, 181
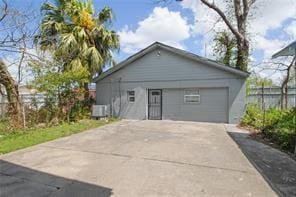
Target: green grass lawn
14, 140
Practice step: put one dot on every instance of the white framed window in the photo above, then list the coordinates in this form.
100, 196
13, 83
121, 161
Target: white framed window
191, 96
131, 96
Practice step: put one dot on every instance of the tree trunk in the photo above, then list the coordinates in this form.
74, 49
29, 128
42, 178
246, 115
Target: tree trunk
86, 91
11, 89
284, 89
284, 86
242, 55
241, 38
286, 97
282, 97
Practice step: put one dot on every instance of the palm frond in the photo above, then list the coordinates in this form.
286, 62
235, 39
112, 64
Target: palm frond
68, 42
94, 60
105, 16
79, 39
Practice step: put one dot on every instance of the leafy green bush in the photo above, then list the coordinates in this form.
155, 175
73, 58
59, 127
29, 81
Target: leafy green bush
253, 117
287, 119
283, 137
275, 125
79, 111
48, 112
283, 132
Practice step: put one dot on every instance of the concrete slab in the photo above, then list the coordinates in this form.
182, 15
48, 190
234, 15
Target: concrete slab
138, 158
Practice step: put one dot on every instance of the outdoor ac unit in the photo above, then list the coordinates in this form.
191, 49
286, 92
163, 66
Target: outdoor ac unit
100, 110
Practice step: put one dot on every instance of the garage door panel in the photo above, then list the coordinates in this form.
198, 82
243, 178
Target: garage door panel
212, 107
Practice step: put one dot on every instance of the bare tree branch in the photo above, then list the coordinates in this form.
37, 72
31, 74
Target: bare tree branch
5, 8
223, 16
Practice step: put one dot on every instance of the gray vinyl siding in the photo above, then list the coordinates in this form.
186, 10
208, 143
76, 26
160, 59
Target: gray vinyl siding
167, 66
170, 71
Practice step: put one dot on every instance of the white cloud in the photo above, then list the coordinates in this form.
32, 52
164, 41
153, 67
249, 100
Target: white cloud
291, 30
269, 47
271, 14
161, 25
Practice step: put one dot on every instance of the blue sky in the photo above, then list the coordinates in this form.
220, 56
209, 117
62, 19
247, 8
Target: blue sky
190, 25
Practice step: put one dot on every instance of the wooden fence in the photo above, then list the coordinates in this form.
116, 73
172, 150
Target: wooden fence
26, 99
270, 96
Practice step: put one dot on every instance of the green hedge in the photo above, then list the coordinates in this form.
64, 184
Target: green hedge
276, 125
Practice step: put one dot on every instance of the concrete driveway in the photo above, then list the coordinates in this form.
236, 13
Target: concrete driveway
134, 158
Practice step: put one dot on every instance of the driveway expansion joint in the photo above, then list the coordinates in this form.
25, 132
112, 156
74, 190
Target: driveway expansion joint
154, 159
196, 165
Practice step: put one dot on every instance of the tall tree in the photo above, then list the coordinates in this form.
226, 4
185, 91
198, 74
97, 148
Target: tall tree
284, 85
237, 25
286, 70
78, 36
238, 28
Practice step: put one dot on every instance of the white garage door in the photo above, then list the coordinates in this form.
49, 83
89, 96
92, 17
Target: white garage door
212, 105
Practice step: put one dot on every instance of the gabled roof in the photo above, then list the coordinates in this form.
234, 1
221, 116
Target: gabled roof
175, 51
289, 50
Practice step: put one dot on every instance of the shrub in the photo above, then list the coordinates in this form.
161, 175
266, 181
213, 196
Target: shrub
284, 131
79, 110
271, 117
48, 112
284, 137
253, 117
287, 120
275, 125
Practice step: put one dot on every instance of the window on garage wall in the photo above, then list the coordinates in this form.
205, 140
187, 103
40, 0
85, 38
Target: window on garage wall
191, 96
131, 96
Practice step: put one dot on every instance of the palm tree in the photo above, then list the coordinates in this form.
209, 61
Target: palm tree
77, 36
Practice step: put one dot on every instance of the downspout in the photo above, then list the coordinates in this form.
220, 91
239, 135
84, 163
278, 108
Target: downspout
119, 89
111, 98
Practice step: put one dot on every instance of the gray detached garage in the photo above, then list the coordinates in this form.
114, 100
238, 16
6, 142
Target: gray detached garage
162, 82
